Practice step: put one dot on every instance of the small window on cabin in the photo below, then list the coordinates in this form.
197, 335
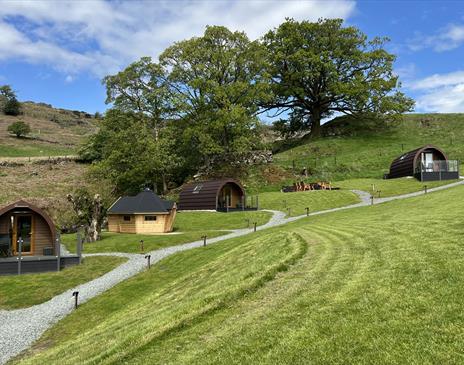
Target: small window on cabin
197, 189
150, 218
126, 218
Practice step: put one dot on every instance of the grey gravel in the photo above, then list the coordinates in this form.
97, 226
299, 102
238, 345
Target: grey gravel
20, 328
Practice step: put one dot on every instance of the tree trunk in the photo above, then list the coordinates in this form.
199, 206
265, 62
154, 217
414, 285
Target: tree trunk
165, 185
315, 124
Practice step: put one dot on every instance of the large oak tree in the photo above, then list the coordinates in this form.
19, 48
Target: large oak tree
323, 68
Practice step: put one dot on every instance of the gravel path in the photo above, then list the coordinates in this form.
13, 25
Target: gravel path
20, 328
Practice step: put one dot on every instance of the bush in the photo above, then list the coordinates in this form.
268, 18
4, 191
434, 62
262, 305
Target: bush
12, 107
19, 129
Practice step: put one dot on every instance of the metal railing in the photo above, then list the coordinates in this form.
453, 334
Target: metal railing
439, 166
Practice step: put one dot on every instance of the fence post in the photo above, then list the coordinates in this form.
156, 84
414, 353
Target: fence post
204, 240
372, 200
254, 224
307, 212
79, 246
20, 252
58, 251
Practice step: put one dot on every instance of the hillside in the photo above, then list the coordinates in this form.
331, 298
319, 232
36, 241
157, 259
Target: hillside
374, 285
54, 131
354, 149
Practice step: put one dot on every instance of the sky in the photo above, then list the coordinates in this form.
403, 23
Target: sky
57, 52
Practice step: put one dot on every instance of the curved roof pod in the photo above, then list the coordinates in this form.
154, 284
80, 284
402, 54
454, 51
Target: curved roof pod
21, 204
406, 163
203, 195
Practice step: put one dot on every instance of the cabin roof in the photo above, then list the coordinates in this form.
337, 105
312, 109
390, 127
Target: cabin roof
144, 202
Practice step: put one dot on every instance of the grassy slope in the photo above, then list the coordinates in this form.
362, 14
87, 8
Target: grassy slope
363, 153
30, 289
188, 227
54, 132
378, 284
314, 200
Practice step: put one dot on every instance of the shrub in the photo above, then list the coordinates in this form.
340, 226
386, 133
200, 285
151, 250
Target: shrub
19, 128
12, 107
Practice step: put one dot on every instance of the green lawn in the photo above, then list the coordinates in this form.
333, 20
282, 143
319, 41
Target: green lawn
374, 285
30, 289
188, 227
389, 187
27, 148
362, 153
315, 200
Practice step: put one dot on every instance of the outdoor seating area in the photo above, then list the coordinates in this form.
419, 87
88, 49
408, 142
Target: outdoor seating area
303, 186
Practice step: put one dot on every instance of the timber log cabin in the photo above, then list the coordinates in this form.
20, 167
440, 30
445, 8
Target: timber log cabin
427, 163
222, 195
28, 241
144, 213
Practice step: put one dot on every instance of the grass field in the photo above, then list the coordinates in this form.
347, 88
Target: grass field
373, 285
389, 187
188, 227
30, 289
362, 153
298, 201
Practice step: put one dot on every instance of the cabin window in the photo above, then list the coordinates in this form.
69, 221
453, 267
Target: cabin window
150, 218
127, 218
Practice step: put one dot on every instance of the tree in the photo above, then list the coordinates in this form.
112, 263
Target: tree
90, 213
11, 105
140, 89
318, 69
216, 81
19, 128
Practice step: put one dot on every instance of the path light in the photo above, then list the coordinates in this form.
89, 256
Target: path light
75, 295
148, 257
204, 240
425, 189
254, 224
141, 246
307, 211
372, 200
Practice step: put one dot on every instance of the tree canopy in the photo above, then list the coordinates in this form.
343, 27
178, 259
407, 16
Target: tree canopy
11, 105
318, 69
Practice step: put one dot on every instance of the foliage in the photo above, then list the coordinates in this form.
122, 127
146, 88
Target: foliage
11, 105
28, 290
322, 68
19, 129
216, 81
90, 212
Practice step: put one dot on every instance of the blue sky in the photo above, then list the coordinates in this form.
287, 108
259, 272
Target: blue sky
57, 52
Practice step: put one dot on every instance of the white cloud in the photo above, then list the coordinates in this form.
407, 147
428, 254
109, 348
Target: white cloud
443, 93
102, 37
446, 39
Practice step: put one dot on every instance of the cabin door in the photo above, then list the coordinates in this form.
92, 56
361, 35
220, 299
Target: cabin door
427, 160
23, 230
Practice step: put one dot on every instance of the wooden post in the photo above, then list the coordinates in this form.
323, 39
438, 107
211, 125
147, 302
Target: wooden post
148, 257
58, 251
254, 224
307, 211
372, 200
204, 240
75, 295
289, 211
20, 252
79, 246
425, 189
378, 191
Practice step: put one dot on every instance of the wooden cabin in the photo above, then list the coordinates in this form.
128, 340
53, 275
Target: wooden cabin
144, 213
26, 227
220, 195
427, 163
